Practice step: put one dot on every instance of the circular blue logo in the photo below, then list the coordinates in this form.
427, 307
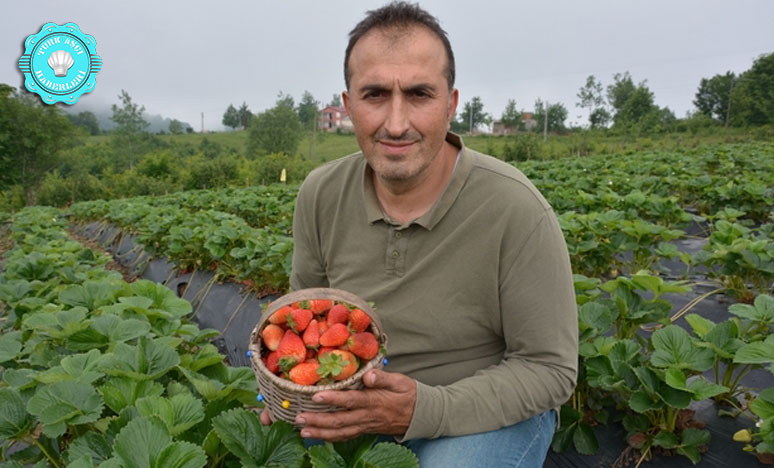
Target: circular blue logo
60, 63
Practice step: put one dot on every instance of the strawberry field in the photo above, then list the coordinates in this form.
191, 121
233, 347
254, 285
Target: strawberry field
673, 255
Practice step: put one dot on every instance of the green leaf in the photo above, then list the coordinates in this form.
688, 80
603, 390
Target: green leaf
641, 402
703, 389
14, 420
324, 456
10, 345
121, 392
179, 413
763, 405
666, 439
695, 437
90, 295
352, 450
162, 298
85, 461
700, 325
140, 442
757, 352
390, 455
181, 455
63, 403
563, 437
674, 349
256, 445
81, 367
149, 360
762, 309
585, 440
674, 397
92, 445
595, 316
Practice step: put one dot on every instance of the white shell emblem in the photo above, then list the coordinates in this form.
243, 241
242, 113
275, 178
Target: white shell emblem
60, 61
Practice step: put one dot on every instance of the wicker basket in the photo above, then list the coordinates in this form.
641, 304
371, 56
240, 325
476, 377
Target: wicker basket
298, 398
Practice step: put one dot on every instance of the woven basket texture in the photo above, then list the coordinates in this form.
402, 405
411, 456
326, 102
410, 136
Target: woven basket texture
276, 390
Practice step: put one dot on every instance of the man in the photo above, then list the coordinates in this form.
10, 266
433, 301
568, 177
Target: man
461, 255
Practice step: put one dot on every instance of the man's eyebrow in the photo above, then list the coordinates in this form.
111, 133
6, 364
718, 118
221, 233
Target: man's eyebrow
419, 87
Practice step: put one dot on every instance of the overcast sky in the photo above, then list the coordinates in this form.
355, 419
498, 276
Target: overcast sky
181, 58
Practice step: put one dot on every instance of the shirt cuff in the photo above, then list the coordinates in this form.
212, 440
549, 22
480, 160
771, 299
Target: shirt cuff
428, 414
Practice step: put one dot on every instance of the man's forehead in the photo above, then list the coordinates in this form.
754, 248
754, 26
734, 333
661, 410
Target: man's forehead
413, 47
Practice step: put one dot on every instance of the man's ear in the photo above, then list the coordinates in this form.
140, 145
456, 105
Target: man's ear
454, 99
345, 101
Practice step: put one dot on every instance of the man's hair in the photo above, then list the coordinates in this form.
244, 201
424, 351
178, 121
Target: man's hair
400, 15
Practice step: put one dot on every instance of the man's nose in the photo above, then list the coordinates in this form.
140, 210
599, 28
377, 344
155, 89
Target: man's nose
397, 122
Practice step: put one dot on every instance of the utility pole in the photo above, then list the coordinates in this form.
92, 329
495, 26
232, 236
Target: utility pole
471, 117
545, 122
728, 107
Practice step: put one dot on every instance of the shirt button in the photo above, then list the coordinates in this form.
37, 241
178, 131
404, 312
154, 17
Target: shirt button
395, 254
398, 234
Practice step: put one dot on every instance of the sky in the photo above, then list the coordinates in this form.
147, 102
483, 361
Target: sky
182, 59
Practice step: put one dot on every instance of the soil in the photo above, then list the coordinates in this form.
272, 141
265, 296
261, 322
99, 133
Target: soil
112, 264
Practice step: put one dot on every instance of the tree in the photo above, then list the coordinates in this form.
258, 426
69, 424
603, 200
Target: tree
511, 117
335, 101
473, 114
130, 128
244, 116
285, 100
557, 114
231, 117
86, 120
713, 95
276, 130
31, 136
591, 97
307, 111
175, 127
633, 104
752, 99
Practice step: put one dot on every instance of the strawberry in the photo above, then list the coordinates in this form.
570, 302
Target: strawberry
341, 364
325, 350
311, 335
272, 335
338, 314
320, 306
305, 373
280, 316
359, 320
272, 362
291, 350
323, 324
335, 335
298, 319
363, 345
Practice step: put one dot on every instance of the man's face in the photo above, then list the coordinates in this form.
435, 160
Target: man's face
399, 100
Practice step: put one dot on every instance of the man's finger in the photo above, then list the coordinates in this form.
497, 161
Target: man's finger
388, 380
266, 417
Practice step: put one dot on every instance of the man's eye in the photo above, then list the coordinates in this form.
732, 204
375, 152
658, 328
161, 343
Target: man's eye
421, 95
374, 95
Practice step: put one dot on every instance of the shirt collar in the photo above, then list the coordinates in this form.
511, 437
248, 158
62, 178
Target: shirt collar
428, 220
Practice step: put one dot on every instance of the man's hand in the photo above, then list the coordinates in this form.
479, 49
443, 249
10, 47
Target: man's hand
385, 406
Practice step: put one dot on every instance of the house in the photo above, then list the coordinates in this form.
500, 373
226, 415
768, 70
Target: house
333, 118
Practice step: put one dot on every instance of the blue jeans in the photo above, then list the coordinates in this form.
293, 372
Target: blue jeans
523, 445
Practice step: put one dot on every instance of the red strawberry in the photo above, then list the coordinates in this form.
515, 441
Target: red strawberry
272, 335
319, 306
359, 320
272, 362
323, 324
335, 335
338, 314
291, 350
364, 345
325, 350
311, 335
305, 373
280, 316
298, 319
348, 363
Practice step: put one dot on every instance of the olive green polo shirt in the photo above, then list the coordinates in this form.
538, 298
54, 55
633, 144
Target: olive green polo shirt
476, 295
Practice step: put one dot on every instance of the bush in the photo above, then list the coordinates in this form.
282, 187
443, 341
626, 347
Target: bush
12, 199
56, 190
205, 173
267, 169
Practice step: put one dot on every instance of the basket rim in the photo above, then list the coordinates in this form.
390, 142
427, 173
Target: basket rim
255, 345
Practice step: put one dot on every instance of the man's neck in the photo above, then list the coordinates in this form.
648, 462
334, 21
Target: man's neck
405, 201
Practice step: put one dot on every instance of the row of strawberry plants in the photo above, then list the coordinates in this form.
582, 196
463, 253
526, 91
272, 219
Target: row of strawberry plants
99, 372
707, 179
653, 379
201, 240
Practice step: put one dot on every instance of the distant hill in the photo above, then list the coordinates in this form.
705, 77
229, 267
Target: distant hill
157, 122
